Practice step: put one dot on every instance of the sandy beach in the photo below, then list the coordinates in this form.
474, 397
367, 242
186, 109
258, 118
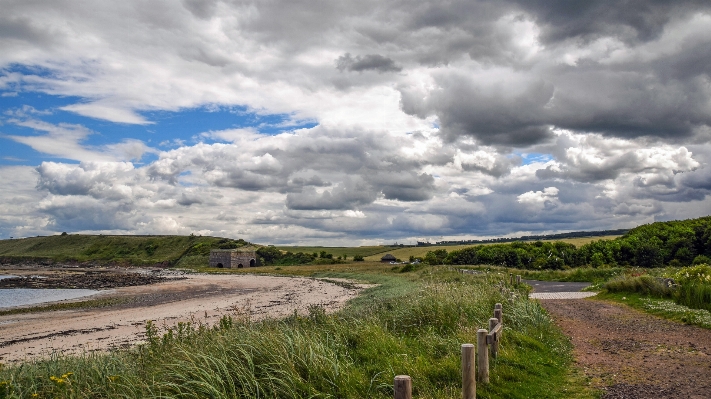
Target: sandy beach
198, 298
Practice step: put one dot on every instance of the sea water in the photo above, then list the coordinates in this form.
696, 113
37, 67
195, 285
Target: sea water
11, 297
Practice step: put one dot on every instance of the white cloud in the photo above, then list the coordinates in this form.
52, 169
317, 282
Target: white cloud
417, 126
539, 198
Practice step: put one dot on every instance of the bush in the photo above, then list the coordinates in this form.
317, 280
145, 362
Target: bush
701, 260
645, 285
358, 258
694, 287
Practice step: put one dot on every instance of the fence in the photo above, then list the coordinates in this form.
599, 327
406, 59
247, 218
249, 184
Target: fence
487, 341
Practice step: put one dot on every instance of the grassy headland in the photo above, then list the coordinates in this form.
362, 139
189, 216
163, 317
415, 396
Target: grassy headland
128, 250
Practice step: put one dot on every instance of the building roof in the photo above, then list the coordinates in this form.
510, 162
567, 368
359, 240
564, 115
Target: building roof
388, 257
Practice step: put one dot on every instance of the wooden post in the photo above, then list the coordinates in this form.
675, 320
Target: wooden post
468, 372
511, 278
499, 312
518, 279
403, 387
493, 322
482, 356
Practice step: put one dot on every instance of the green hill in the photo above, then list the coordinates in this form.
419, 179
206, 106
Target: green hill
104, 249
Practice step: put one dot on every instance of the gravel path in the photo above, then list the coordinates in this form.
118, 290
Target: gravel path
634, 355
558, 290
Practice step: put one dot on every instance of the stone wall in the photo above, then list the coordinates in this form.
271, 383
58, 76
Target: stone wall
234, 258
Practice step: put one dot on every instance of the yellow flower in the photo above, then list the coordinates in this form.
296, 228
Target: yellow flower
56, 380
113, 378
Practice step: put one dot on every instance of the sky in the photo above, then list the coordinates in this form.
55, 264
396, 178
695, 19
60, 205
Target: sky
352, 122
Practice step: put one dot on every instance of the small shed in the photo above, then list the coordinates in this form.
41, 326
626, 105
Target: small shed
387, 258
234, 258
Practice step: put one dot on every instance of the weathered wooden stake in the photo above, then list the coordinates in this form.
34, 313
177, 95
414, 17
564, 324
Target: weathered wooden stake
403, 387
468, 372
518, 279
482, 355
493, 322
499, 312
511, 277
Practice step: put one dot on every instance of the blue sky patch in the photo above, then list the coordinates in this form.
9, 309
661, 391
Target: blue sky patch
168, 128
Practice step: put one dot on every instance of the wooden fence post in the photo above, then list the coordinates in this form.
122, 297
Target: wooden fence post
499, 312
511, 277
468, 372
493, 322
518, 279
403, 387
482, 356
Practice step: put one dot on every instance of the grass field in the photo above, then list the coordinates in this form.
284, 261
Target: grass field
338, 251
410, 323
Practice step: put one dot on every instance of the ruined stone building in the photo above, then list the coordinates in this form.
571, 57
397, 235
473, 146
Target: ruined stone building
234, 258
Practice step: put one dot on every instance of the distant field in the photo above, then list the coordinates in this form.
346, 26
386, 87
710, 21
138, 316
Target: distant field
339, 251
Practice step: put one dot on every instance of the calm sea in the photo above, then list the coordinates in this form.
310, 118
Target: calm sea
11, 297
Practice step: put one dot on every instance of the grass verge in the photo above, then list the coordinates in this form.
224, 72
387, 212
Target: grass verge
411, 323
665, 308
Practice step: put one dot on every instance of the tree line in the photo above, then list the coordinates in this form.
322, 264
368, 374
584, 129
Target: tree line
674, 243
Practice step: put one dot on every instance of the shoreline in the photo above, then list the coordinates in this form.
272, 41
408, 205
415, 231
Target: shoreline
203, 298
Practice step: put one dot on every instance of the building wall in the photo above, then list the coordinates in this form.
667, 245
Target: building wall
232, 259
244, 258
220, 257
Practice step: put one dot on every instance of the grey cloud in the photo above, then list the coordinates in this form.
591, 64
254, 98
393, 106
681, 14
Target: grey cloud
609, 169
187, 200
346, 196
407, 186
203, 9
23, 28
368, 62
494, 115
247, 180
636, 20
84, 213
501, 166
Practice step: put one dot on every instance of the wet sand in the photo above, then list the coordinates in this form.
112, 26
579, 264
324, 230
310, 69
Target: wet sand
199, 298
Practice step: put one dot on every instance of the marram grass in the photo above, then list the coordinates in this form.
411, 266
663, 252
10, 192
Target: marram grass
354, 353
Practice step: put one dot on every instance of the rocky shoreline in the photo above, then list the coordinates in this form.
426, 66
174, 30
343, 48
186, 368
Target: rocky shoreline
86, 280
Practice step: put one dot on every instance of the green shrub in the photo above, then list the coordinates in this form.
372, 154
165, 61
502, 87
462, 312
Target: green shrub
701, 260
694, 287
645, 285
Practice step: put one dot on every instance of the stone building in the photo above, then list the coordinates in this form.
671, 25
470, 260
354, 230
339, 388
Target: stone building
234, 258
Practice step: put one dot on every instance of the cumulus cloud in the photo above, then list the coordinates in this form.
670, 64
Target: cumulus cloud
421, 128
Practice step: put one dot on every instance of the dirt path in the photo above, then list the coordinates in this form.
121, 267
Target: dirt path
198, 298
635, 355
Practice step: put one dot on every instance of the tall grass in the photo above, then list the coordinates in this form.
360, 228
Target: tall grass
645, 285
694, 295
401, 327
691, 288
